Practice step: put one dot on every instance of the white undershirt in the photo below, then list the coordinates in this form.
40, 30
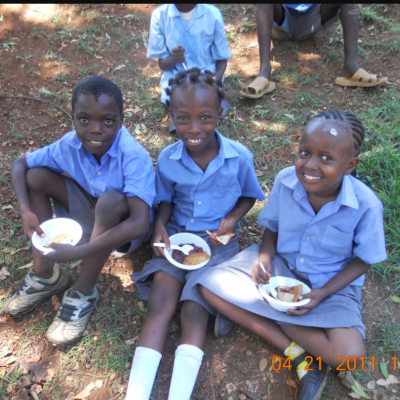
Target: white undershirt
186, 15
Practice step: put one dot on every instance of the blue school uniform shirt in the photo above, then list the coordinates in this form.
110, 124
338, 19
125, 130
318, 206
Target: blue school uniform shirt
203, 38
126, 166
201, 200
322, 244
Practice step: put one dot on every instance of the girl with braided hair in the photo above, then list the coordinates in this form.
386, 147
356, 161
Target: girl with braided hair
203, 182
323, 227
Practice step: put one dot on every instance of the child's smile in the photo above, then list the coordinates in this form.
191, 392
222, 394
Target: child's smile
97, 123
323, 158
196, 113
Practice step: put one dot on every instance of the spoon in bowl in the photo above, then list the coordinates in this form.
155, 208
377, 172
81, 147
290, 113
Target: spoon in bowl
273, 291
184, 249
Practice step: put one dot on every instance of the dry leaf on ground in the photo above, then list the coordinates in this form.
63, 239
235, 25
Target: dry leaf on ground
38, 370
389, 381
291, 383
263, 363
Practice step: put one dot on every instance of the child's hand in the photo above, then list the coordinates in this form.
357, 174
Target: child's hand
63, 253
160, 235
178, 54
316, 296
226, 226
31, 224
259, 275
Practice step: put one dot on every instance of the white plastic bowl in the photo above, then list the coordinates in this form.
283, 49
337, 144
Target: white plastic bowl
55, 227
283, 306
187, 238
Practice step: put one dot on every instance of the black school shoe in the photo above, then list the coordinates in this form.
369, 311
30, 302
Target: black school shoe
313, 382
223, 326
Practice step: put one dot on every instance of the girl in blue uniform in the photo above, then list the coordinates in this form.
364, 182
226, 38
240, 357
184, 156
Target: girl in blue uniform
204, 182
323, 227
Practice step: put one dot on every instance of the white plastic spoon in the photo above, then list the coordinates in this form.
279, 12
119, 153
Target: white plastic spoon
184, 249
273, 291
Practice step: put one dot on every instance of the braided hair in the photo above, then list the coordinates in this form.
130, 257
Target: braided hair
96, 86
356, 127
194, 77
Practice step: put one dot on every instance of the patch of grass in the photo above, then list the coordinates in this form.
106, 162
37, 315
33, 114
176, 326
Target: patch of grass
86, 71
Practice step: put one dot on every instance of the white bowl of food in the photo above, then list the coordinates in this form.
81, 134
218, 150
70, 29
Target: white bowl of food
288, 290
57, 230
188, 238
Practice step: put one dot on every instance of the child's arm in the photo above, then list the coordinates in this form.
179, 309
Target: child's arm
267, 253
353, 270
30, 221
160, 234
220, 69
228, 224
136, 225
177, 57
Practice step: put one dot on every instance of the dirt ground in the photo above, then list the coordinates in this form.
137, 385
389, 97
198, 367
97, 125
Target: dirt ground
44, 60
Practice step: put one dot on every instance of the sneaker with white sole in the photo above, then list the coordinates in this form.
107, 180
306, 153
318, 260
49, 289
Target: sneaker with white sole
34, 290
72, 317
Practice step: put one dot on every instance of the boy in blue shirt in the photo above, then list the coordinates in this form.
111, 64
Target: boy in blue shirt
183, 36
109, 189
299, 22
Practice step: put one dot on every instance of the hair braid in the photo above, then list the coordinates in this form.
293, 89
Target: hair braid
356, 127
194, 77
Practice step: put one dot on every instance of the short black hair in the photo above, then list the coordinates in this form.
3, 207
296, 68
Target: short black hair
98, 85
194, 77
356, 127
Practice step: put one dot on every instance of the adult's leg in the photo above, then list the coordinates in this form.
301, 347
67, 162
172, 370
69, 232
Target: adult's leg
263, 327
329, 344
111, 209
164, 297
349, 19
43, 184
266, 15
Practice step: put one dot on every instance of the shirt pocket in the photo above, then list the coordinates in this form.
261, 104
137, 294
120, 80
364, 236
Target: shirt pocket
337, 241
224, 198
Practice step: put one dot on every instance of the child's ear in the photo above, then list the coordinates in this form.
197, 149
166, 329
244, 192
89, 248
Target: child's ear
122, 118
352, 165
220, 113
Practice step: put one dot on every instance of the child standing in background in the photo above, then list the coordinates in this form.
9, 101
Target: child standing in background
204, 182
183, 36
323, 227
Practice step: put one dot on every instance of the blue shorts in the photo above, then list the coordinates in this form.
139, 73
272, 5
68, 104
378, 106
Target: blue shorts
81, 206
300, 25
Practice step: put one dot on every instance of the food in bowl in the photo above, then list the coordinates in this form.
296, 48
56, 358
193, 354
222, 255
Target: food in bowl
58, 239
195, 256
288, 294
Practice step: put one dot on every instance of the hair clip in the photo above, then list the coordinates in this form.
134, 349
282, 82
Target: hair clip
333, 132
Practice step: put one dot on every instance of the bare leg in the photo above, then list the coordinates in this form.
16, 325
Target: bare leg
43, 184
160, 309
349, 19
194, 319
263, 327
328, 343
266, 15
111, 209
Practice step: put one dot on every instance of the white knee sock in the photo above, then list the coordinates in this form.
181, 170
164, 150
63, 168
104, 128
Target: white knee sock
186, 367
143, 372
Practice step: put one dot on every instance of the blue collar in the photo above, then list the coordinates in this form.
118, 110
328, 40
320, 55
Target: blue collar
112, 151
346, 196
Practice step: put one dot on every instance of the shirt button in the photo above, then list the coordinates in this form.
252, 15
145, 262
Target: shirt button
297, 194
308, 239
192, 220
99, 173
199, 202
301, 260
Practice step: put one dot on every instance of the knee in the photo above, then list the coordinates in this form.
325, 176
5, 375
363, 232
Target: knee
112, 204
193, 313
36, 178
350, 355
